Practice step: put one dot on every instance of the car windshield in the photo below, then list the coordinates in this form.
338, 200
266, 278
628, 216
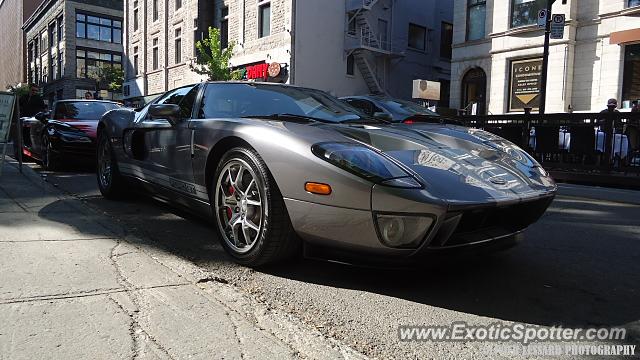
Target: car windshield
406, 107
83, 110
266, 100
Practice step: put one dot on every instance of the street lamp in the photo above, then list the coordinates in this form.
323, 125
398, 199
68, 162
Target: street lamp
545, 57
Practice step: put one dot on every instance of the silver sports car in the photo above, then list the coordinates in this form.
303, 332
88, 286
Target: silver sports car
281, 168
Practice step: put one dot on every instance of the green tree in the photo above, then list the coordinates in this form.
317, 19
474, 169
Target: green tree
108, 78
212, 60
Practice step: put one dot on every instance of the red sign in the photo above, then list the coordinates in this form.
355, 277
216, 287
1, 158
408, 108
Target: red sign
260, 71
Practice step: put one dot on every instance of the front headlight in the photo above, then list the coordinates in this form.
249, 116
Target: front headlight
365, 163
402, 231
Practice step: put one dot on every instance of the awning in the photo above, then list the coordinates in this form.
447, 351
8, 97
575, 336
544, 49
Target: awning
625, 37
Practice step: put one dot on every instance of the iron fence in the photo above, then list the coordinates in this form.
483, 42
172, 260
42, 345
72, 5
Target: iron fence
597, 143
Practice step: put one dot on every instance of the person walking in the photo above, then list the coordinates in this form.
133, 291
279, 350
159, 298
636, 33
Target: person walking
32, 103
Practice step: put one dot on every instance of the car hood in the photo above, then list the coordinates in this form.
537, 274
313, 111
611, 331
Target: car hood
458, 164
89, 127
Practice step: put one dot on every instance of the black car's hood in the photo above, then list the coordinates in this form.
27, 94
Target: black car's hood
458, 163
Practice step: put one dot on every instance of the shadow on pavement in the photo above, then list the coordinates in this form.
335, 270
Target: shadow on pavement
577, 267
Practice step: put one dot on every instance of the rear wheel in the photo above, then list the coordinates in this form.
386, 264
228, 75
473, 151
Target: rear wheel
110, 181
49, 159
251, 217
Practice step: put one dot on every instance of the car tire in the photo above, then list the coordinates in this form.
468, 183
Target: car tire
49, 160
252, 234
110, 182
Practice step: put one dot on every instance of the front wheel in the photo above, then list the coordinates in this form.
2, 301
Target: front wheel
110, 181
250, 214
49, 160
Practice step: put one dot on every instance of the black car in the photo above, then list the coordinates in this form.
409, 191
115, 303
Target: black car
396, 110
67, 131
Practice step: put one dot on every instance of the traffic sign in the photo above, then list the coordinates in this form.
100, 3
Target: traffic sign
557, 26
542, 18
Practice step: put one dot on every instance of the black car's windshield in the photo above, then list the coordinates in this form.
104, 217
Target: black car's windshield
406, 107
82, 110
235, 100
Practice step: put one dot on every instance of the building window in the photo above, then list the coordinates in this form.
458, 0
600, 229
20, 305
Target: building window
54, 67
98, 28
264, 19
446, 40
155, 10
224, 28
631, 82
60, 64
155, 64
178, 4
351, 65
178, 46
417, 37
43, 41
476, 19
52, 34
633, 3
89, 61
135, 60
60, 28
525, 12
135, 15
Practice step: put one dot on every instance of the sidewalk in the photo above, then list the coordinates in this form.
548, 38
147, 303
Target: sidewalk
74, 286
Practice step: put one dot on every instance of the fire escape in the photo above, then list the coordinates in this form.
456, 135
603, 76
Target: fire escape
365, 44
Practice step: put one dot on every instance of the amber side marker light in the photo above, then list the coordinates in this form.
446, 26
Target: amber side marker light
317, 188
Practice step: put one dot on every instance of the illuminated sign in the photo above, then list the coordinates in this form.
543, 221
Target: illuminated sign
260, 71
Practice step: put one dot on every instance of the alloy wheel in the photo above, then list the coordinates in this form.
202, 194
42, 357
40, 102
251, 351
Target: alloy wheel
240, 205
104, 163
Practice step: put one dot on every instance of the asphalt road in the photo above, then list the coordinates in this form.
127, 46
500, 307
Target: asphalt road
579, 266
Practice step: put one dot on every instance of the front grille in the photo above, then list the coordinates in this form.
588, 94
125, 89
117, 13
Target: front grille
479, 224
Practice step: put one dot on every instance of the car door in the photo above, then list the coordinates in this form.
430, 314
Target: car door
167, 145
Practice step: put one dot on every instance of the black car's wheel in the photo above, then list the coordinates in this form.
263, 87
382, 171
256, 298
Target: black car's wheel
251, 217
49, 160
110, 182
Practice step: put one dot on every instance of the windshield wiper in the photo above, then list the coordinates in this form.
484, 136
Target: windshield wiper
287, 116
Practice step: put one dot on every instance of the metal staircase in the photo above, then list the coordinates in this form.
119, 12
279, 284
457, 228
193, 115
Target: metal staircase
364, 43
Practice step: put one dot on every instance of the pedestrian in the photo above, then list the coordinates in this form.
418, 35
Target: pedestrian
634, 106
31, 103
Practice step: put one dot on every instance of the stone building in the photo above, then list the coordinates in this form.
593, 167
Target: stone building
498, 49
343, 46
13, 13
68, 42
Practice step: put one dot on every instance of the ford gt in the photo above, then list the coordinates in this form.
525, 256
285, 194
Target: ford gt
280, 168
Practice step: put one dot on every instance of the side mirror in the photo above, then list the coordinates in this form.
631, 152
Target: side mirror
170, 112
382, 116
42, 116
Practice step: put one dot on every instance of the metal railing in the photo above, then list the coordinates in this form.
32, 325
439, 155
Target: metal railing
602, 143
368, 39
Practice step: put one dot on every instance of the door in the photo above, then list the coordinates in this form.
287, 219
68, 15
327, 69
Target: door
474, 91
167, 146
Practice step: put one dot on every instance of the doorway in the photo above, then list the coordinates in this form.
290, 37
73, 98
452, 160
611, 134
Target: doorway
474, 91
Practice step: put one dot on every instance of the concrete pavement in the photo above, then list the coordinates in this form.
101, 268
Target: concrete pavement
75, 284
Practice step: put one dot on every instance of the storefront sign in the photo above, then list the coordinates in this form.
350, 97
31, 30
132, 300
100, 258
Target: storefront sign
526, 77
260, 71
264, 71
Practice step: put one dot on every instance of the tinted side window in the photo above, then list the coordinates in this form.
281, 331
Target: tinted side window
186, 105
363, 105
174, 97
